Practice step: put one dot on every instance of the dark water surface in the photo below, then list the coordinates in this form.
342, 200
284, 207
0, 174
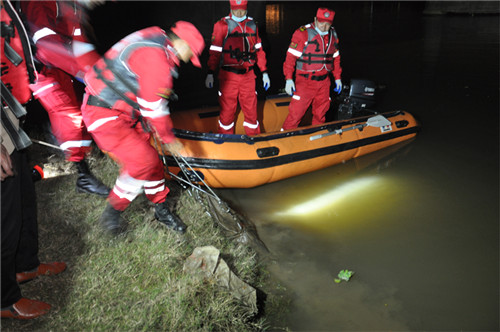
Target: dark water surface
419, 223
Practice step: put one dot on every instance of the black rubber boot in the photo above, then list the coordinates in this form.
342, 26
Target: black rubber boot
167, 218
112, 222
87, 182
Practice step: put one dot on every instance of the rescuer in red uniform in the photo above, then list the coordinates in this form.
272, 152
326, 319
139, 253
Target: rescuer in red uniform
66, 54
313, 53
236, 48
127, 102
19, 223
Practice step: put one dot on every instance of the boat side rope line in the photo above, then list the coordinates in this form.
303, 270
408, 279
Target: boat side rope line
243, 230
223, 138
290, 158
182, 166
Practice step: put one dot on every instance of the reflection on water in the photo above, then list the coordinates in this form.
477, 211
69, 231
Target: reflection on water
331, 199
349, 204
315, 224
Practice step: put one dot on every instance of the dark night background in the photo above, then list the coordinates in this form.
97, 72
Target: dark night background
115, 20
431, 247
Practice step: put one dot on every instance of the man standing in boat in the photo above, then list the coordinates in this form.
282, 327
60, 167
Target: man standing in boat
236, 48
313, 53
127, 102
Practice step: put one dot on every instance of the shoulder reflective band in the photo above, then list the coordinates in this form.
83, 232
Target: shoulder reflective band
294, 52
215, 48
42, 33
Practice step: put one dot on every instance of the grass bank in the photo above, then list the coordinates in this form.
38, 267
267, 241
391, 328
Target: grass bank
135, 282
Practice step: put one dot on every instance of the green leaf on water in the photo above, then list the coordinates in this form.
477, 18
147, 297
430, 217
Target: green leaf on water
344, 275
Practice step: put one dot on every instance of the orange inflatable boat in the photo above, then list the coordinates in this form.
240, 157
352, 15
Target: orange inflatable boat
240, 161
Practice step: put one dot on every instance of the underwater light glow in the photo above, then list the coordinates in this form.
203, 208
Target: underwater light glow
331, 197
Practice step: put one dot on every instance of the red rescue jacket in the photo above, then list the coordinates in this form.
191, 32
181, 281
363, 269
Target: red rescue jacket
135, 76
309, 52
57, 33
236, 44
17, 67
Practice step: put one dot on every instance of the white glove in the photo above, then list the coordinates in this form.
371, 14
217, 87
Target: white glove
290, 87
209, 81
338, 86
266, 82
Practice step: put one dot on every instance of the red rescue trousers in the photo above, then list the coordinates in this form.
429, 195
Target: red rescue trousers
54, 90
129, 145
308, 91
233, 88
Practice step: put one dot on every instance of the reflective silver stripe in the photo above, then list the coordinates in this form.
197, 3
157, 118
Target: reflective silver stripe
154, 114
215, 48
153, 183
336, 54
128, 196
258, 45
296, 97
100, 122
78, 32
42, 89
75, 144
295, 52
249, 125
42, 33
128, 183
226, 127
158, 108
154, 190
127, 187
80, 48
153, 187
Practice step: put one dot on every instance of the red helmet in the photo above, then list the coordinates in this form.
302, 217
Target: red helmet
188, 32
238, 4
325, 15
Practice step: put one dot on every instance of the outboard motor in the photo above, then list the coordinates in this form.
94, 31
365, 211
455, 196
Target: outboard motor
356, 99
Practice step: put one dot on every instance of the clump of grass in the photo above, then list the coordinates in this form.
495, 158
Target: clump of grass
136, 282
